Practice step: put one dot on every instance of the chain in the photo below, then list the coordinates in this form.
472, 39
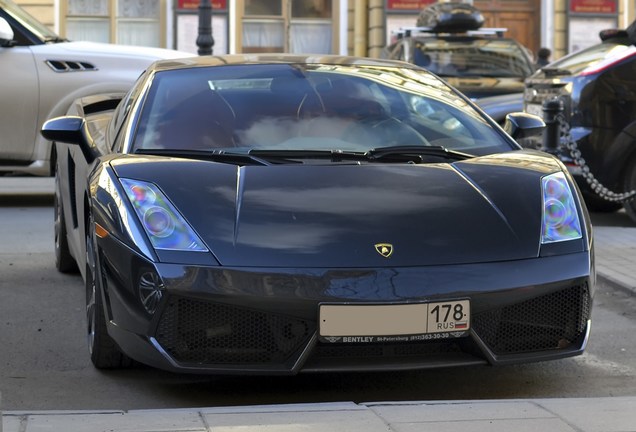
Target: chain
595, 185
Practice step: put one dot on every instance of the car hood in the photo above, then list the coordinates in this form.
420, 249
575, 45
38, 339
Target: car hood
96, 50
479, 87
334, 215
499, 106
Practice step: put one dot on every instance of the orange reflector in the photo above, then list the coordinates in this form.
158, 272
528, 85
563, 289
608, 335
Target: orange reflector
100, 231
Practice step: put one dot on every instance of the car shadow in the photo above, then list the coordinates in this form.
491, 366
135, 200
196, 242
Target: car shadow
615, 219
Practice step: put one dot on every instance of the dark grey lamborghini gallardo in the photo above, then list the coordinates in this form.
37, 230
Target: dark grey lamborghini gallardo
280, 214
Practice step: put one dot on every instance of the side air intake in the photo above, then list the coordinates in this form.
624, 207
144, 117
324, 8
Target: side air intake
70, 66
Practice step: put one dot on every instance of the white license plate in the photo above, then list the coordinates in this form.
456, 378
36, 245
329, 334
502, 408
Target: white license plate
535, 109
394, 320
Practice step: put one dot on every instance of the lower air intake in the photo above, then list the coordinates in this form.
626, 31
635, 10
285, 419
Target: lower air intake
200, 332
552, 321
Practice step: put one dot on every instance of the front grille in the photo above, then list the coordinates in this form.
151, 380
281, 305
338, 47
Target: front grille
549, 322
538, 93
200, 332
535, 95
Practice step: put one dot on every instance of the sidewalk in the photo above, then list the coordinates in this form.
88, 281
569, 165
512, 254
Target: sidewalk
615, 251
549, 415
27, 187
615, 247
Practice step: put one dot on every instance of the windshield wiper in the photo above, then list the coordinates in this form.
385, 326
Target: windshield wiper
381, 154
335, 155
211, 155
440, 151
413, 154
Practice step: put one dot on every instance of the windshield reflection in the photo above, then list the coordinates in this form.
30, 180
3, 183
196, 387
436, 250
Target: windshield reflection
313, 107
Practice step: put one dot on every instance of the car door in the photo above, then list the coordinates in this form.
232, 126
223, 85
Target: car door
19, 90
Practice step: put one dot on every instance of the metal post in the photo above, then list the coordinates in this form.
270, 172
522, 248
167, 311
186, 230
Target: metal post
552, 132
205, 41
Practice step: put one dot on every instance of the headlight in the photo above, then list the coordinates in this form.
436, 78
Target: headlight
560, 217
165, 226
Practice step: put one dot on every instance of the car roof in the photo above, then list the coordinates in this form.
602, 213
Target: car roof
273, 58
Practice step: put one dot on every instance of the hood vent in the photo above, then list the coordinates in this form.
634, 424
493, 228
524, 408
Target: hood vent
70, 66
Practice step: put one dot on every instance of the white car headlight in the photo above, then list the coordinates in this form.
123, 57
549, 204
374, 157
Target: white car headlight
560, 220
166, 228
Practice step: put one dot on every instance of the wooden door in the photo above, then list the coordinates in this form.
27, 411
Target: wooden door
522, 18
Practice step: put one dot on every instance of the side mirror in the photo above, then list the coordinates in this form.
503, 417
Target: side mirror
70, 130
64, 129
522, 125
6, 33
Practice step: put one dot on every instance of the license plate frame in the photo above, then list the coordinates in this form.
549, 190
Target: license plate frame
380, 320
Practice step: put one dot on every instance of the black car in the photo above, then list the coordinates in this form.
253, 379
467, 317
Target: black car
597, 87
498, 107
280, 214
450, 42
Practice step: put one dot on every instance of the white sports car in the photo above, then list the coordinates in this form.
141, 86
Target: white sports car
42, 74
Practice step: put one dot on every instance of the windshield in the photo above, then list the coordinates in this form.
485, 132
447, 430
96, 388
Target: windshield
580, 60
33, 25
240, 108
459, 57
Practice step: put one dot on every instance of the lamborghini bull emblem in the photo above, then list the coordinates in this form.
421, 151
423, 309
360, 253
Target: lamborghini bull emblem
384, 249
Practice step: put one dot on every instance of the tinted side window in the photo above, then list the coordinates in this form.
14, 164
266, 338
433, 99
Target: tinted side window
122, 110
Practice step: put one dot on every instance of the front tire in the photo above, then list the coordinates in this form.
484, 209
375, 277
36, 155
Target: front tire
64, 261
629, 184
104, 352
596, 204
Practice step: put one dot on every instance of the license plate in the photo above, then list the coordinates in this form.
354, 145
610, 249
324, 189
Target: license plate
535, 109
370, 321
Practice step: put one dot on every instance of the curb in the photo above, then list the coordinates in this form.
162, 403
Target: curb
614, 283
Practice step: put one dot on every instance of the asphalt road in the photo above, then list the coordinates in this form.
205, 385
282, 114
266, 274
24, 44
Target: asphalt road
44, 363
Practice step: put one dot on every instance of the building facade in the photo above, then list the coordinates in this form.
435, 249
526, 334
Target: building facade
360, 27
